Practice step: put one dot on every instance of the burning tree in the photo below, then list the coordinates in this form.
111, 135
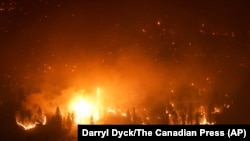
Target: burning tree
28, 119
187, 105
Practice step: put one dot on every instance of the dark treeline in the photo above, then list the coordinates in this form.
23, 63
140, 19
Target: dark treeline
175, 110
60, 128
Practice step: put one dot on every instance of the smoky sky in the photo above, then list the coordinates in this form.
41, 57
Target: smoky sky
136, 49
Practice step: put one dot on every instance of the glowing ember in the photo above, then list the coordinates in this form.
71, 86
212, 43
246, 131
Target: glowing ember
216, 110
124, 114
44, 120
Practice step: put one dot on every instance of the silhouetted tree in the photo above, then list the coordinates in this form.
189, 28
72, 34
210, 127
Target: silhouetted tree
166, 118
28, 115
54, 127
58, 118
197, 118
72, 115
210, 113
39, 114
39, 111
190, 115
183, 118
91, 119
129, 116
175, 117
69, 121
161, 113
135, 117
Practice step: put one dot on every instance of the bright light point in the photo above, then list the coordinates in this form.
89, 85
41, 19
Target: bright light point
226, 106
172, 104
158, 23
44, 120
111, 111
216, 110
205, 122
124, 114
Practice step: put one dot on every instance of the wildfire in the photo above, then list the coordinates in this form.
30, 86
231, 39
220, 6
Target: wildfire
44, 120
205, 122
27, 125
84, 109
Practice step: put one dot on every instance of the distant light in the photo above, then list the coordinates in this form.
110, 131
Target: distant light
158, 23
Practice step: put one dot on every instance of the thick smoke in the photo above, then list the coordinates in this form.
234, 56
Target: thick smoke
128, 79
50, 61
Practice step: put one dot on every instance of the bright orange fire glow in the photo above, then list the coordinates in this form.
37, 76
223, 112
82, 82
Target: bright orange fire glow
44, 120
30, 125
216, 110
27, 126
84, 109
205, 122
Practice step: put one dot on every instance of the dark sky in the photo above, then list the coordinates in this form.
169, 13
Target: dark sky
135, 47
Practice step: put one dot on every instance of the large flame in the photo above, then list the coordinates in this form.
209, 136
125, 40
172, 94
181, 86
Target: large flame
204, 120
27, 125
91, 108
85, 109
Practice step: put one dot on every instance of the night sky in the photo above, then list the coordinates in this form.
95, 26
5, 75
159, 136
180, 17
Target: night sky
135, 50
